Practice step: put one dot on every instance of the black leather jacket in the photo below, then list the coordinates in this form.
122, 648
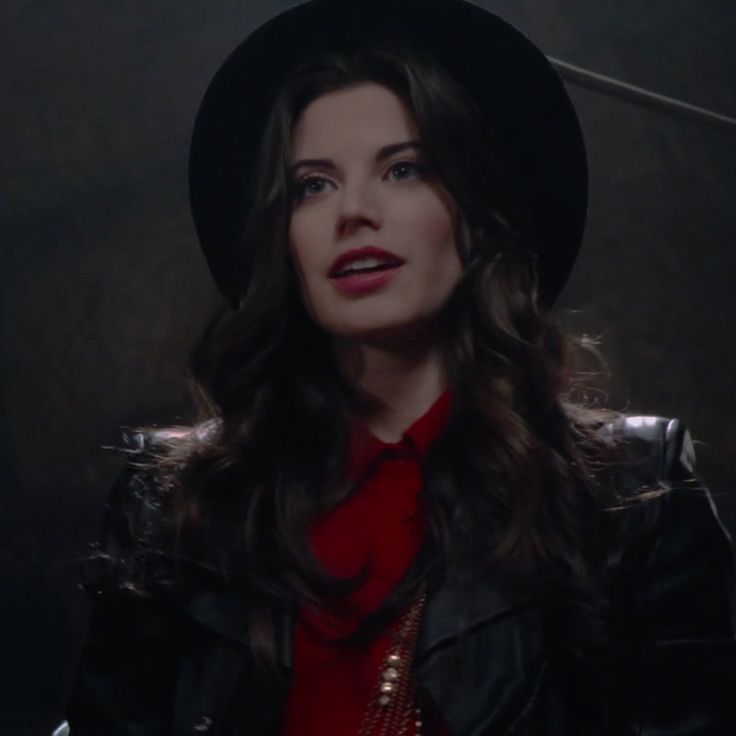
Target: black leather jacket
166, 652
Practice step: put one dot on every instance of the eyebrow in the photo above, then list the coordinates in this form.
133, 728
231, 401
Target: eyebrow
383, 153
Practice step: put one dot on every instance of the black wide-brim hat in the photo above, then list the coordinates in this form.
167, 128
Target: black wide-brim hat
497, 66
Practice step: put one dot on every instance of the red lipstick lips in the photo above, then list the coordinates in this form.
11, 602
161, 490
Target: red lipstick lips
368, 279
369, 251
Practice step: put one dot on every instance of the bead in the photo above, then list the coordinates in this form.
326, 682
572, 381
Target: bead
394, 659
387, 687
384, 700
390, 674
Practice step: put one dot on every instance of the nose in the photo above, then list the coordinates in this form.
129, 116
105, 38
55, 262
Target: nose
359, 206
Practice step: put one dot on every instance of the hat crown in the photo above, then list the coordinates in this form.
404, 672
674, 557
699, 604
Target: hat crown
498, 67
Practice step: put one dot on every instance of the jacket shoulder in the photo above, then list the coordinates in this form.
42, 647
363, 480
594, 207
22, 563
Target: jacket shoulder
147, 442
137, 526
671, 586
657, 447
152, 439
678, 571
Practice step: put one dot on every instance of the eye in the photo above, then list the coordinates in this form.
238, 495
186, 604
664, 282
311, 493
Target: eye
312, 184
307, 186
415, 167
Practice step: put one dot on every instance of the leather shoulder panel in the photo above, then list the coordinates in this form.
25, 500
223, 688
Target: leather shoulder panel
136, 537
657, 447
153, 440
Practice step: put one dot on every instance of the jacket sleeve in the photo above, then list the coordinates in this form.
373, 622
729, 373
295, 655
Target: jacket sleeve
674, 673
126, 677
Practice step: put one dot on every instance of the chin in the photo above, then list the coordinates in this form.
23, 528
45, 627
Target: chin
379, 333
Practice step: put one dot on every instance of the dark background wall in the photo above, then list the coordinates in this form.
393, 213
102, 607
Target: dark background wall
103, 288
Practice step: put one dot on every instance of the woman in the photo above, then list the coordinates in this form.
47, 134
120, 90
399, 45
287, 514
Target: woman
392, 516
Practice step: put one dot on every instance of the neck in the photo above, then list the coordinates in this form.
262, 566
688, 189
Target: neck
399, 384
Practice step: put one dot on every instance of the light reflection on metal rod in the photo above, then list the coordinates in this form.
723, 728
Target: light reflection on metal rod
627, 91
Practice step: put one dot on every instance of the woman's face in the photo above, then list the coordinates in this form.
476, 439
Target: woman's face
361, 184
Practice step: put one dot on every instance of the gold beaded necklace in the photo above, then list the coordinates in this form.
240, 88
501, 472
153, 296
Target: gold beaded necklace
393, 703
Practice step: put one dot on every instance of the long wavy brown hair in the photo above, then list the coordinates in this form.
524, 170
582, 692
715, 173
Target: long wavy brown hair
511, 484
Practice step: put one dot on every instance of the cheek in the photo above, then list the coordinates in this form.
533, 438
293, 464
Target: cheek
304, 259
306, 235
299, 248
434, 228
298, 267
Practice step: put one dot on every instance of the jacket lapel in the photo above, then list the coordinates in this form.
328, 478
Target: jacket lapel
448, 612
499, 671
205, 596
485, 681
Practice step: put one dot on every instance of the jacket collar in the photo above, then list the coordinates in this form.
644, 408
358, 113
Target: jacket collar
445, 615
505, 665
208, 599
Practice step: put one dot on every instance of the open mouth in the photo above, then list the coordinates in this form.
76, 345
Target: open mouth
366, 269
363, 260
355, 281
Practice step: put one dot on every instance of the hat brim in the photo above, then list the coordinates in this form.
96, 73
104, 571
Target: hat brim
503, 71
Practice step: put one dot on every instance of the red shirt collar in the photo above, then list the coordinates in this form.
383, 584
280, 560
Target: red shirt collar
417, 439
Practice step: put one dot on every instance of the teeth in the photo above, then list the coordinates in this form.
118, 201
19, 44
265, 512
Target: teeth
362, 263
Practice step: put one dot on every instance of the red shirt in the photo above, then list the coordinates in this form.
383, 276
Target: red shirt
379, 523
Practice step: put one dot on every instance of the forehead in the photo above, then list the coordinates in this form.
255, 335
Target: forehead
364, 115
